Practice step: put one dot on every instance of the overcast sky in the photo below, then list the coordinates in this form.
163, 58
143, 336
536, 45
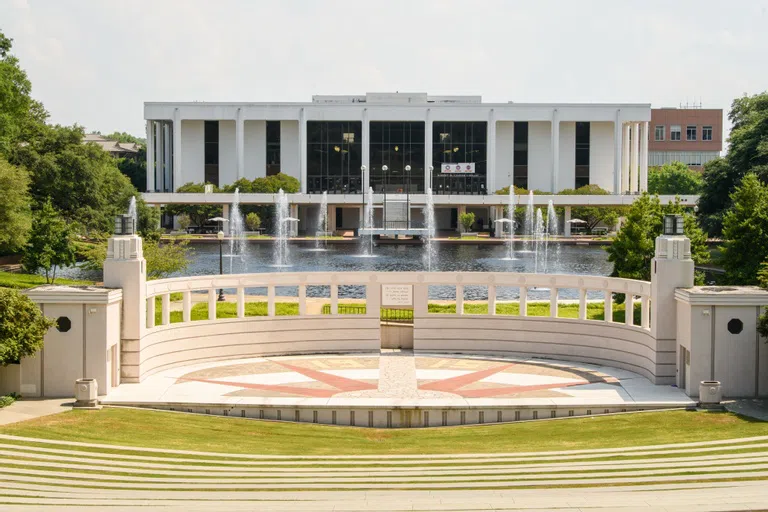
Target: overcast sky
95, 62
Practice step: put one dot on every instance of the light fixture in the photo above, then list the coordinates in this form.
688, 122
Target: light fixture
431, 168
220, 235
673, 225
384, 168
408, 168
397, 148
336, 148
455, 149
362, 168
124, 225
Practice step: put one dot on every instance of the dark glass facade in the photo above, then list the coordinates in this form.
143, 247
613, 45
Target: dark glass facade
273, 147
459, 142
397, 144
211, 136
520, 176
334, 157
582, 155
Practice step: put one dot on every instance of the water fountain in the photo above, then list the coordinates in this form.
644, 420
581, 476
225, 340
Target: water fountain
134, 214
322, 225
237, 242
429, 221
549, 231
538, 239
511, 222
367, 249
282, 230
530, 224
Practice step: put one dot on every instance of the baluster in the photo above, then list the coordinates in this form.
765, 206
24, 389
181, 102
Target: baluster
645, 318
491, 299
629, 309
608, 307
212, 304
271, 300
240, 302
459, 299
150, 312
302, 299
553, 302
186, 315
523, 301
166, 309
334, 299
582, 303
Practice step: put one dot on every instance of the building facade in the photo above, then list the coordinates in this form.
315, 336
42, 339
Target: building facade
400, 142
693, 136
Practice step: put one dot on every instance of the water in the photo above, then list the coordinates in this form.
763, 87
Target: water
511, 222
367, 248
238, 246
322, 224
282, 230
530, 219
538, 237
429, 221
134, 214
551, 231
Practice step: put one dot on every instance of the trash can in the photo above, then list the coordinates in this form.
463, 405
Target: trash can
86, 393
710, 393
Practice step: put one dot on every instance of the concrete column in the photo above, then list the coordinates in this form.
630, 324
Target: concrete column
490, 176
366, 151
167, 164
617, 153
633, 160
150, 156
671, 268
240, 143
332, 218
176, 182
461, 210
566, 224
303, 149
159, 152
225, 214
293, 210
625, 159
428, 135
644, 157
555, 150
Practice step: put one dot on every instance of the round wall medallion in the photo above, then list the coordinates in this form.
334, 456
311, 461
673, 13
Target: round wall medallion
374, 278
63, 324
735, 326
420, 278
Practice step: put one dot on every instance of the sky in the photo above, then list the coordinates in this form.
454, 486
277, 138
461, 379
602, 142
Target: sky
95, 62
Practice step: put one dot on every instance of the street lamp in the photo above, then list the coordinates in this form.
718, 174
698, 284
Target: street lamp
673, 225
220, 236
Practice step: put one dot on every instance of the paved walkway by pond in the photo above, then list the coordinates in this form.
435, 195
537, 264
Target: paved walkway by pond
30, 408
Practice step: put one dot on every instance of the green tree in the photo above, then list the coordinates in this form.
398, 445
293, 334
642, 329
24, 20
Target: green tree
15, 214
22, 326
164, 259
674, 178
184, 221
745, 228
135, 169
50, 244
594, 215
252, 221
199, 213
467, 220
125, 137
634, 246
148, 220
719, 179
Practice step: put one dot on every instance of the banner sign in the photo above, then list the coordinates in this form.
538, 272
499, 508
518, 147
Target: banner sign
458, 168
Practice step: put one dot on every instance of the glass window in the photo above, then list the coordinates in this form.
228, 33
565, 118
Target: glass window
273, 147
459, 142
211, 152
706, 133
674, 132
582, 155
334, 157
659, 133
397, 145
520, 156
690, 132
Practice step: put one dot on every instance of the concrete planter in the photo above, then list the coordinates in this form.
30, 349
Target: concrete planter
468, 234
710, 393
86, 393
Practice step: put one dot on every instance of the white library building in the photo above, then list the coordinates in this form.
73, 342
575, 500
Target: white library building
462, 149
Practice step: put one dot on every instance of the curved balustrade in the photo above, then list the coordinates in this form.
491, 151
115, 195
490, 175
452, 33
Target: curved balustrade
626, 344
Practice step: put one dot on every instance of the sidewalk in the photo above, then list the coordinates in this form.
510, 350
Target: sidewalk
27, 409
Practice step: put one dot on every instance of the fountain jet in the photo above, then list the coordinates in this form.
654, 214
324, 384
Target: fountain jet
322, 223
429, 218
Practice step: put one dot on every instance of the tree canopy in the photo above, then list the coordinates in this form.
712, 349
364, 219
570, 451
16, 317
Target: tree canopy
50, 244
22, 326
15, 220
594, 215
745, 228
674, 178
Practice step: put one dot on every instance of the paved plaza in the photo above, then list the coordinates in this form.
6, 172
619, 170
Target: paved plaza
395, 377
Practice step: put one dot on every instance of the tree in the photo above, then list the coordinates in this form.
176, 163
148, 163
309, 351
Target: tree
125, 137
184, 221
467, 220
674, 178
594, 215
634, 246
252, 221
149, 220
135, 169
199, 213
15, 214
164, 259
745, 228
50, 244
719, 178
22, 326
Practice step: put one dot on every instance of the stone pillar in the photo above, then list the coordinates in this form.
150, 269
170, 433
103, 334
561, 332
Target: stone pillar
644, 157
150, 156
555, 150
428, 136
461, 210
633, 160
366, 152
625, 159
671, 268
490, 173
303, 150
176, 182
159, 158
126, 268
293, 210
332, 218
617, 153
566, 224
225, 214
240, 143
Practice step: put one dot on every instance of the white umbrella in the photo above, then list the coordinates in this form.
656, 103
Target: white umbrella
290, 219
577, 221
505, 221
218, 219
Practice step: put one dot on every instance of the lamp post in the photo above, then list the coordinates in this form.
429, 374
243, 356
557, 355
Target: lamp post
220, 236
407, 196
431, 171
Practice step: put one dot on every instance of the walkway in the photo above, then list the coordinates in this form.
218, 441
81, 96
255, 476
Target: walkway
30, 408
719, 475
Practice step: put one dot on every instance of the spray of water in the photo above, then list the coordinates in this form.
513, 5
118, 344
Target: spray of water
282, 228
367, 249
550, 232
530, 220
238, 246
538, 238
133, 213
429, 217
322, 223
511, 223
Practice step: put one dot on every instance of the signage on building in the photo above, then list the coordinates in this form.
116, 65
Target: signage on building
396, 295
458, 168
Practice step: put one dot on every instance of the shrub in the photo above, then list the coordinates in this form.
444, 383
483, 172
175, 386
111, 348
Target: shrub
467, 220
22, 326
184, 221
252, 221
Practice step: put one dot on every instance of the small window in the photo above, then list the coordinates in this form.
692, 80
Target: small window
706, 133
690, 133
674, 132
735, 326
659, 133
63, 324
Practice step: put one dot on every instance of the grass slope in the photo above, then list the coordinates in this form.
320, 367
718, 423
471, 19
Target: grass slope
234, 435
22, 281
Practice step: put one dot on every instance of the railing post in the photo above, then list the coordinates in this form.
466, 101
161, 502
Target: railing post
420, 300
608, 306
302, 299
629, 309
186, 314
271, 300
582, 303
334, 299
553, 302
240, 302
645, 313
150, 312
212, 304
491, 299
373, 300
459, 299
166, 309
523, 301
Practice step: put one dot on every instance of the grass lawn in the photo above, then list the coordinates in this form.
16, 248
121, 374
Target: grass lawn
21, 281
235, 435
227, 310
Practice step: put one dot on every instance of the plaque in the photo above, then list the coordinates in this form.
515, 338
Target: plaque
397, 295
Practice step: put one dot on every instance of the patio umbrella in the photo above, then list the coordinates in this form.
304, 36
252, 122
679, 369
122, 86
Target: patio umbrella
218, 219
577, 221
290, 219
